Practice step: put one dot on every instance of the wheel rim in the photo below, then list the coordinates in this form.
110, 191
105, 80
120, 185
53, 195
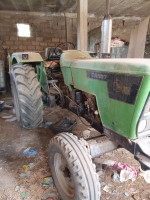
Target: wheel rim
16, 102
64, 175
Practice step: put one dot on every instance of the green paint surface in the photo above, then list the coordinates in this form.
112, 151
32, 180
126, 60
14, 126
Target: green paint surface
117, 115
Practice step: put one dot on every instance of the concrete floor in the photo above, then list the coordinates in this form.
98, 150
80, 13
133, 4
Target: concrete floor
16, 183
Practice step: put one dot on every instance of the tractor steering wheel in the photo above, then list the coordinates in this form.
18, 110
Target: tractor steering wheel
63, 46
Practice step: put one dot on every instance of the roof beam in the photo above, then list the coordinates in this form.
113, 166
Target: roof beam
14, 4
29, 5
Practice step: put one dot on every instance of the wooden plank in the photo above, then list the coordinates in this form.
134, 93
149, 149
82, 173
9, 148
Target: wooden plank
82, 25
132, 44
138, 40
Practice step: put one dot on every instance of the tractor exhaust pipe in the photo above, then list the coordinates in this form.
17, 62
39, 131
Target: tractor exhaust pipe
106, 33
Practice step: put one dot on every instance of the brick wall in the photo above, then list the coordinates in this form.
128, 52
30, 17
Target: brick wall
46, 31
50, 29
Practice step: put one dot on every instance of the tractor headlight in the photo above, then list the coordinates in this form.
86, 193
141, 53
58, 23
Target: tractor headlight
143, 126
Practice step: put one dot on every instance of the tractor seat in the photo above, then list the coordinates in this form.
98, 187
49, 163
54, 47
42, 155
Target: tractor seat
51, 55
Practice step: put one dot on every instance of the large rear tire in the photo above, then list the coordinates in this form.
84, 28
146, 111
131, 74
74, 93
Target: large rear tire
72, 169
27, 96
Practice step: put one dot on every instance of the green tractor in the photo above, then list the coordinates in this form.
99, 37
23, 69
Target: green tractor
112, 94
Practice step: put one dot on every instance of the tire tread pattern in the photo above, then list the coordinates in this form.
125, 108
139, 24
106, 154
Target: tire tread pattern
29, 95
80, 162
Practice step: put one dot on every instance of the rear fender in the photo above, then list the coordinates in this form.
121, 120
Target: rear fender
25, 57
36, 61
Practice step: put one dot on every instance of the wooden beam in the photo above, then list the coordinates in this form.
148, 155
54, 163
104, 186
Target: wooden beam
29, 5
14, 4
82, 25
138, 40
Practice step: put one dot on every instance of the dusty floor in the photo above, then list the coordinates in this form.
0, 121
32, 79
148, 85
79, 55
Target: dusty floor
19, 182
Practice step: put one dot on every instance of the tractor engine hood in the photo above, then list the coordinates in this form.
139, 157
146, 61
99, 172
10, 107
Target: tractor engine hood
121, 87
78, 59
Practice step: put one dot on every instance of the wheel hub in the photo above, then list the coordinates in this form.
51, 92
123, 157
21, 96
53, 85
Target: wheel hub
64, 175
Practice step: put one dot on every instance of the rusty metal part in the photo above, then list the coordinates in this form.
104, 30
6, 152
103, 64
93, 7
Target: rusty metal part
99, 146
121, 140
107, 15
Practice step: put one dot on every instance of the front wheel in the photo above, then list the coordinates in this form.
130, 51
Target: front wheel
72, 169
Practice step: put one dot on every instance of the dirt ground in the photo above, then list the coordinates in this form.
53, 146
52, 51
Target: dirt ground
21, 176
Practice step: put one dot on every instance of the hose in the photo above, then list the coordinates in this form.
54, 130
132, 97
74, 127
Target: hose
53, 83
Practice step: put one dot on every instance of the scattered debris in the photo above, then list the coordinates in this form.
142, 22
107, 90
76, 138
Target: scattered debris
146, 175
47, 181
110, 185
31, 165
25, 194
86, 134
22, 189
27, 149
126, 171
132, 189
107, 188
47, 124
126, 194
114, 192
65, 126
17, 188
30, 152
6, 106
1, 106
11, 120
26, 167
116, 177
7, 117
25, 174
33, 182
123, 166
103, 184
125, 175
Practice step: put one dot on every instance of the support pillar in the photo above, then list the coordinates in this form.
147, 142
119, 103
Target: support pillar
82, 25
